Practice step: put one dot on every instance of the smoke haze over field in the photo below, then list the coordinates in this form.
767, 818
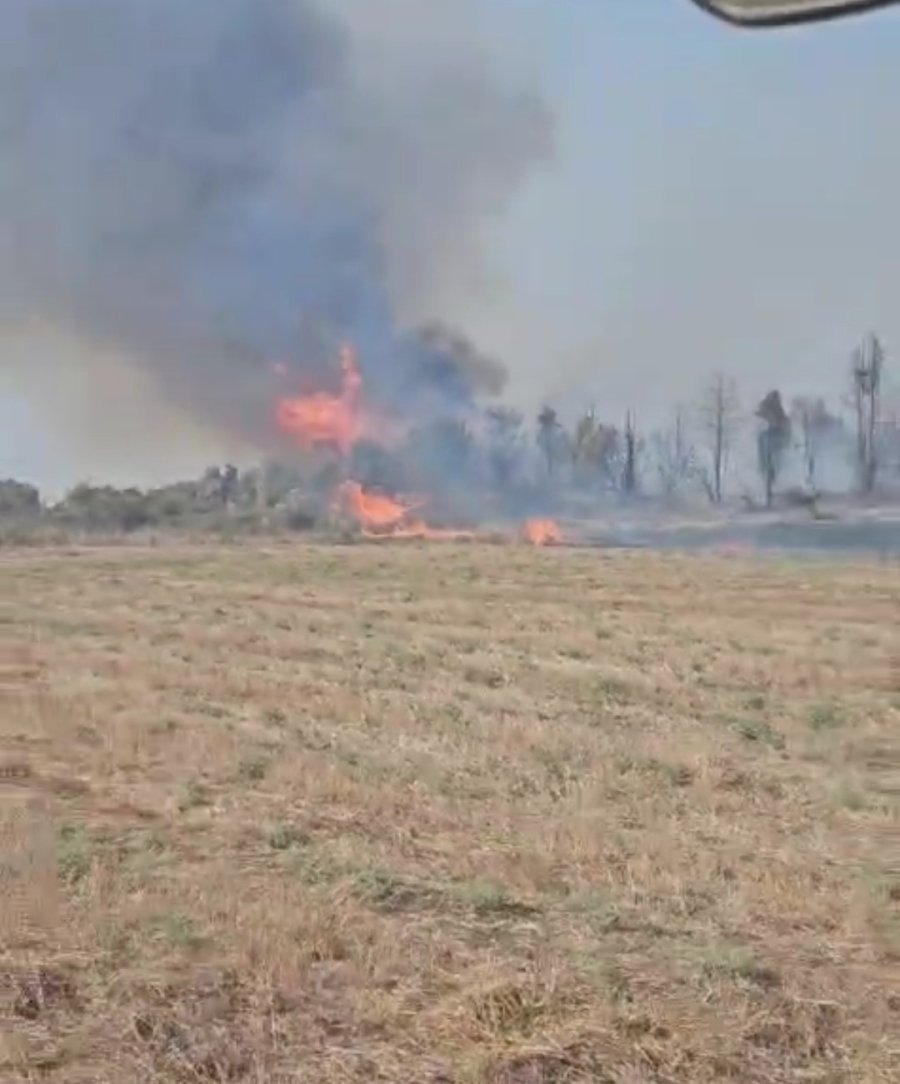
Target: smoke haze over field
208, 187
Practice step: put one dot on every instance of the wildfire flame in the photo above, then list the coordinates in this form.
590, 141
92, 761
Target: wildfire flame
338, 420
373, 511
381, 516
326, 419
542, 532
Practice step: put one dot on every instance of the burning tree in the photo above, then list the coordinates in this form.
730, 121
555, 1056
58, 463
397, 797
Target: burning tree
385, 471
773, 440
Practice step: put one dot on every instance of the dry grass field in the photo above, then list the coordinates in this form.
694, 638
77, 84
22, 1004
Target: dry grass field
447, 814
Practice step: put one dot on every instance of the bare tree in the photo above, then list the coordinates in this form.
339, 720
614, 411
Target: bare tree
676, 456
718, 419
815, 426
866, 377
772, 441
631, 449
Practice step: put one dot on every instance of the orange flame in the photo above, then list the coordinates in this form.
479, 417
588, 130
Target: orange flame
373, 511
542, 532
339, 421
323, 418
381, 516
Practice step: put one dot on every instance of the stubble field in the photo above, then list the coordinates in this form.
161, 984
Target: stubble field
447, 814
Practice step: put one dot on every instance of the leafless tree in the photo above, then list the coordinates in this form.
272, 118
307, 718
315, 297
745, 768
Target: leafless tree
866, 377
631, 447
719, 420
675, 454
815, 426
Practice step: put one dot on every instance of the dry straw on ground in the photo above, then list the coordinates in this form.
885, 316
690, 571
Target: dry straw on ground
447, 814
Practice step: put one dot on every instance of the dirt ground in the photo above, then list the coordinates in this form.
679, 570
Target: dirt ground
447, 814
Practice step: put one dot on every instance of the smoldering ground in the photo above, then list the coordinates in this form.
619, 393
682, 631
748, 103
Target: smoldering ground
208, 187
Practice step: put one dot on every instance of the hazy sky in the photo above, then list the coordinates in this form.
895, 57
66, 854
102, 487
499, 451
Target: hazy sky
718, 199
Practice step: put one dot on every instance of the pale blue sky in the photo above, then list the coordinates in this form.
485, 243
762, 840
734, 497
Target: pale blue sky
718, 199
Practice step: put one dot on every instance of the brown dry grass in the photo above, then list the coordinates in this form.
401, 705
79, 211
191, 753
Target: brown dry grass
447, 814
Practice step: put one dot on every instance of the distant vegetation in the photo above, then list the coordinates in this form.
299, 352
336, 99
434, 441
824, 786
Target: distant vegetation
714, 450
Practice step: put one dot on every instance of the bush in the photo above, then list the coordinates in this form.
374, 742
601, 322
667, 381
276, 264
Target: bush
105, 508
18, 499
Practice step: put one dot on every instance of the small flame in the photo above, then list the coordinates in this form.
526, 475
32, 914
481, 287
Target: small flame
323, 418
381, 516
542, 532
373, 511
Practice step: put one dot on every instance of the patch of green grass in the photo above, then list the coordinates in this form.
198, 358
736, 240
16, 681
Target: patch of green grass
612, 690
378, 885
491, 898
598, 910
284, 837
826, 717
388, 891
195, 795
492, 677
313, 866
738, 964
678, 775
179, 930
756, 730
848, 796
73, 853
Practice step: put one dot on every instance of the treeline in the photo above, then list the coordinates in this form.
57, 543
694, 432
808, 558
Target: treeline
720, 448
218, 500
714, 450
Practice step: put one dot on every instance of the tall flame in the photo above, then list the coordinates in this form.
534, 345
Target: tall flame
325, 419
338, 421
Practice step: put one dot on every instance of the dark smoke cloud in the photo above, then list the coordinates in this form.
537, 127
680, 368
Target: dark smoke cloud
211, 185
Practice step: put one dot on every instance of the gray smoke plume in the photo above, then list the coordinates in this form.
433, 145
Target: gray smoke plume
213, 185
